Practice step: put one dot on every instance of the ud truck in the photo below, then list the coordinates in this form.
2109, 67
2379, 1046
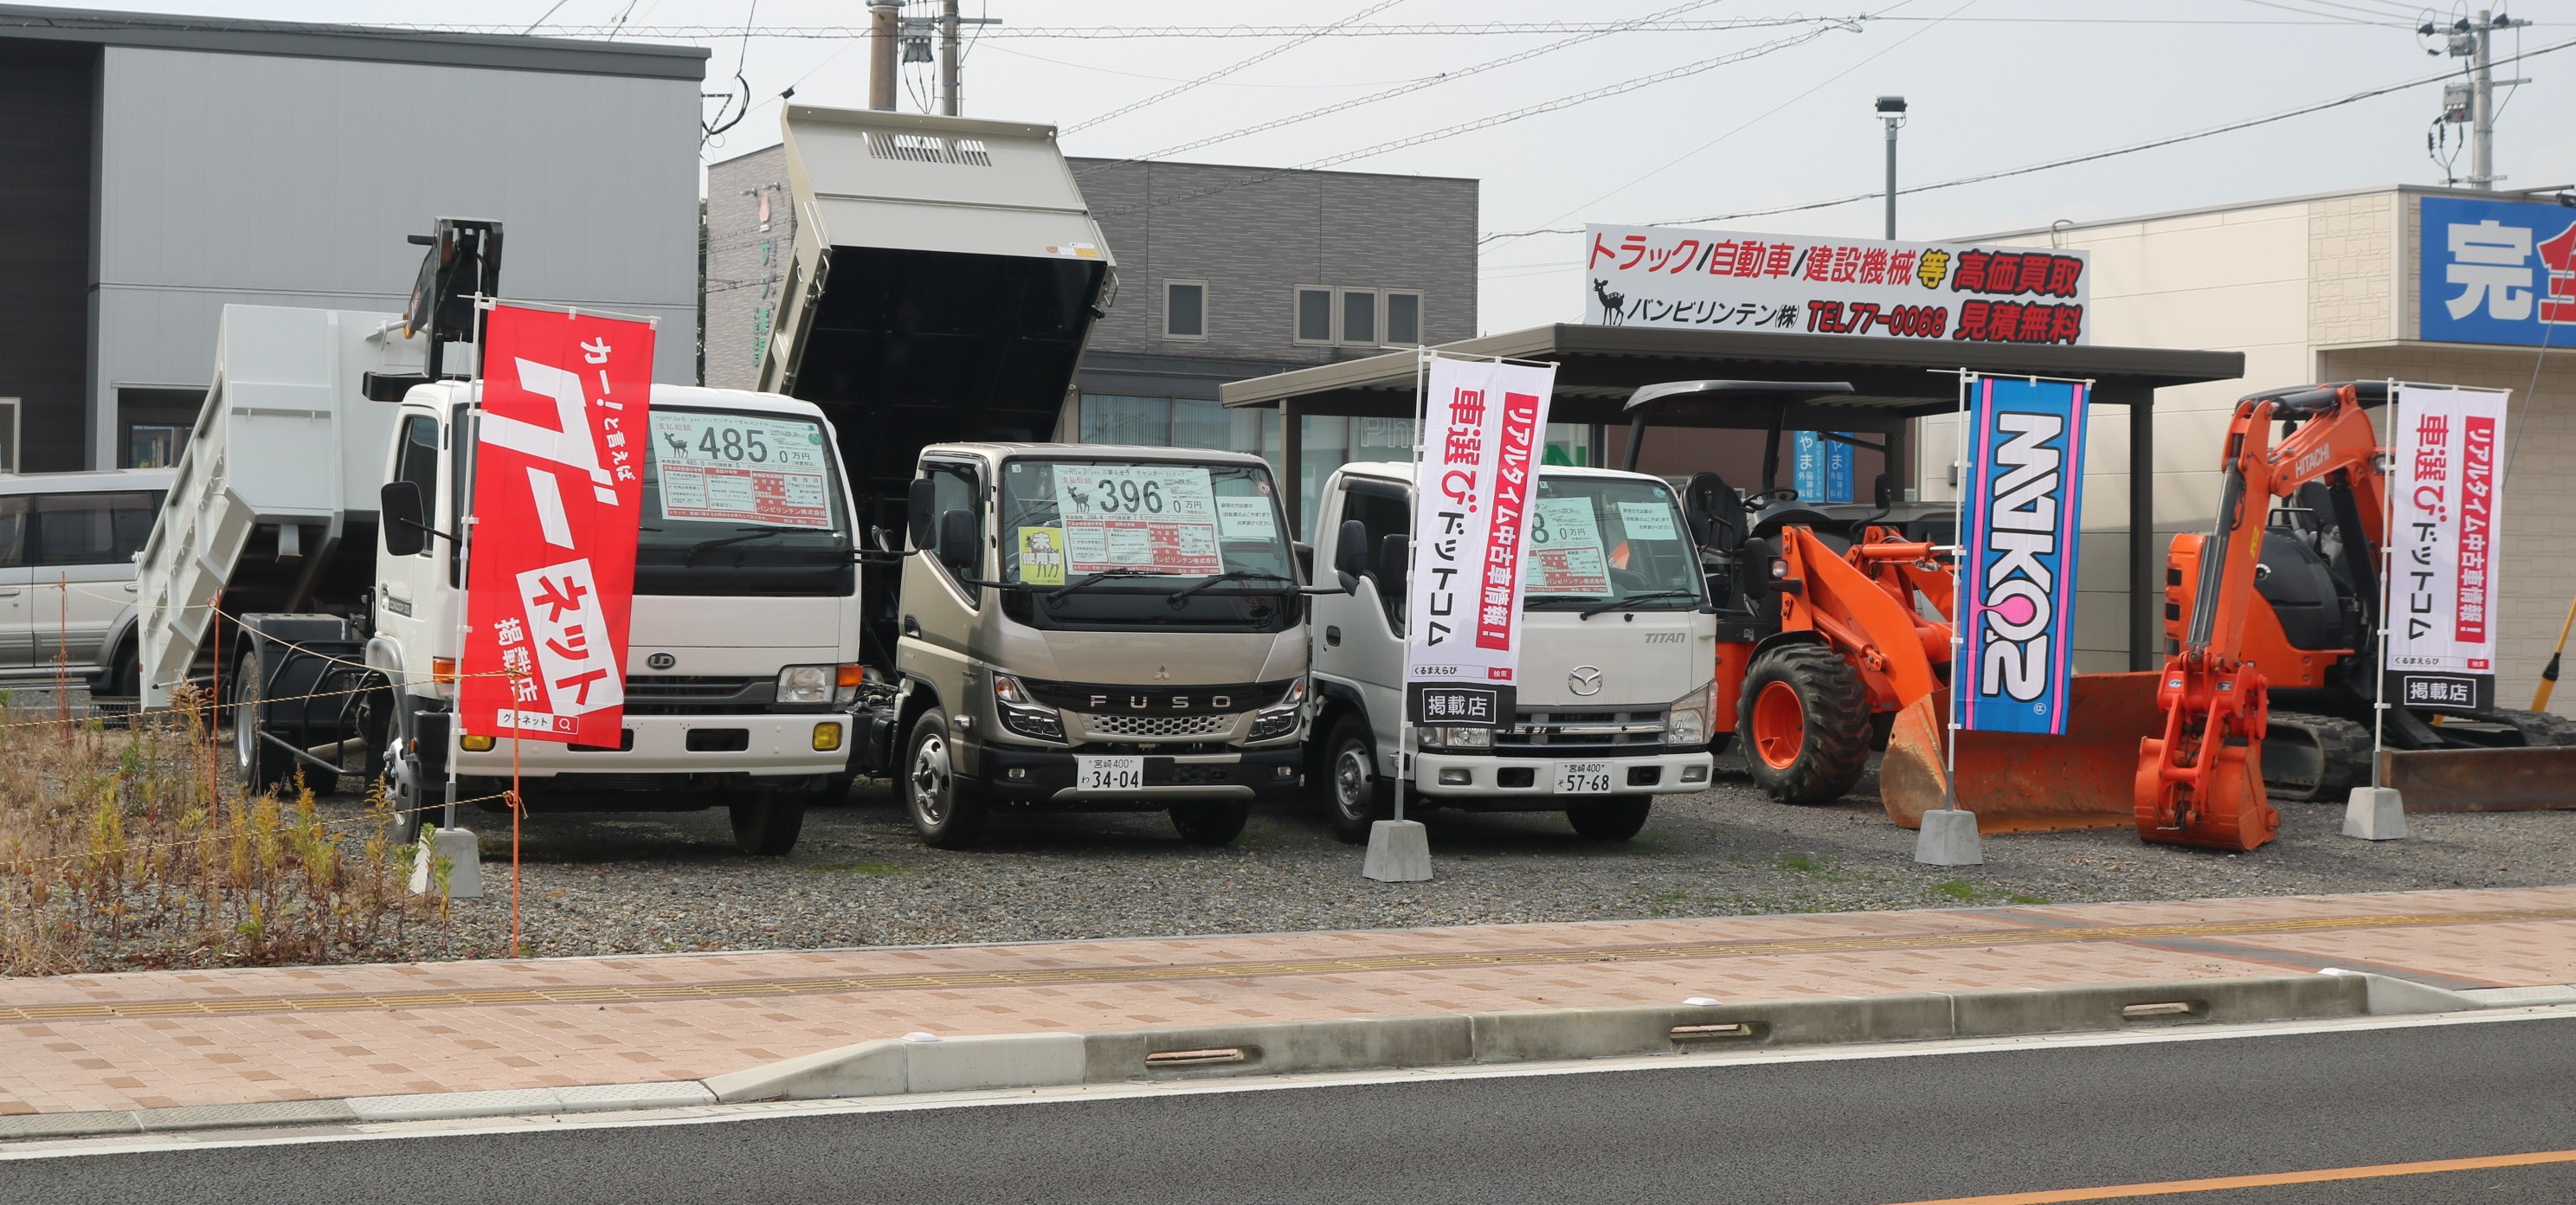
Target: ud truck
1617, 694
305, 562
1046, 626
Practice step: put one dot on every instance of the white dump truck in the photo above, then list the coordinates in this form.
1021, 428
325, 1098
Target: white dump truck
291, 566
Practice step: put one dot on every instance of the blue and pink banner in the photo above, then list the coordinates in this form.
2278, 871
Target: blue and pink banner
2023, 521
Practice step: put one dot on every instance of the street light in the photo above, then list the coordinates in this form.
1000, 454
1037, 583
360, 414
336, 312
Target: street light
1891, 109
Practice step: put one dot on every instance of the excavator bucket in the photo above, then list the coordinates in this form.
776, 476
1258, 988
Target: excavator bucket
2017, 783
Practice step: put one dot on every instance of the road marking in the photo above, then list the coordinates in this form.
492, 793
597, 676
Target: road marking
2378, 1171
231, 1006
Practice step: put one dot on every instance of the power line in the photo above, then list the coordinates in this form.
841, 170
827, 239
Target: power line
1221, 72
1982, 177
1235, 32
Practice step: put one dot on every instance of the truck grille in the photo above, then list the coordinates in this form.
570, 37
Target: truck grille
1559, 732
689, 694
1118, 724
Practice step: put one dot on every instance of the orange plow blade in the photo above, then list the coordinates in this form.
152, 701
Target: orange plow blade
2028, 784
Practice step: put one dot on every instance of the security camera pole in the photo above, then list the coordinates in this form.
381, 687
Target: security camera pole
1891, 109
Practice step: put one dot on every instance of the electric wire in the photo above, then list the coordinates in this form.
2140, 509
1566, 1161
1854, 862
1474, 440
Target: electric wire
1222, 72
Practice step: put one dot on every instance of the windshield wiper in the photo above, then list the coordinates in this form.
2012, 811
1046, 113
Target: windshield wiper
1231, 575
748, 534
1059, 592
1620, 603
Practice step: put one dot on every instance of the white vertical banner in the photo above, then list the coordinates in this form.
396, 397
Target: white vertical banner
1484, 431
2445, 513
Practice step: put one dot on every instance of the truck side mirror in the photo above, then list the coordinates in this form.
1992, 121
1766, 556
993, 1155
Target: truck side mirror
1305, 554
1394, 563
957, 545
1350, 554
921, 523
405, 522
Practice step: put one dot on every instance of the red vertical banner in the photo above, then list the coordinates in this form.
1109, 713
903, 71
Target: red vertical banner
558, 481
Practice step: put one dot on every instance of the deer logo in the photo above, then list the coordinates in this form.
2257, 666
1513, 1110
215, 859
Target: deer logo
679, 443
1610, 302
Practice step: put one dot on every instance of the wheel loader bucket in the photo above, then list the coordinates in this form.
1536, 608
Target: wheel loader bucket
2017, 783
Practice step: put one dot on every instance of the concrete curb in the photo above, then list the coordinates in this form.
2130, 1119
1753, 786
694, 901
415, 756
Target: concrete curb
894, 1067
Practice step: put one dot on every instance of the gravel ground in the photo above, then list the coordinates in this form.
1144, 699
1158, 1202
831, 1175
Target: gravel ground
600, 884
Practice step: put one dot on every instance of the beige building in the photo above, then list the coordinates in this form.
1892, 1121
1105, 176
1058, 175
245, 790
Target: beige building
2331, 288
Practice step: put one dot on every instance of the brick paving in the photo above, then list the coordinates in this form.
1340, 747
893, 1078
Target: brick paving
158, 1039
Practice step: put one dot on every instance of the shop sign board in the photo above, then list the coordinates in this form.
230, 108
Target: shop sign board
2496, 272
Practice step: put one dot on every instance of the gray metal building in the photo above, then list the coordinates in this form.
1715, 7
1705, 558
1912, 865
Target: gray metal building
160, 167
1224, 273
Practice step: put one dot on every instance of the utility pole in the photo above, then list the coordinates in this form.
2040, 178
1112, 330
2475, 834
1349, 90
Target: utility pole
882, 15
1891, 110
948, 98
2474, 39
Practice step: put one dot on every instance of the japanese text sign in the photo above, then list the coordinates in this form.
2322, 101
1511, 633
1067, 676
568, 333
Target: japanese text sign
2447, 498
2496, 272
558, 484
1476, 476
2018, 555
1789, 283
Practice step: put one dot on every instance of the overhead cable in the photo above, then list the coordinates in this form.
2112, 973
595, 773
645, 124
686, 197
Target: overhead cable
1222, 72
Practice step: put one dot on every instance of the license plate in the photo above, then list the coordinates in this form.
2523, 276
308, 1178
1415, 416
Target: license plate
1583, 778
1113, 774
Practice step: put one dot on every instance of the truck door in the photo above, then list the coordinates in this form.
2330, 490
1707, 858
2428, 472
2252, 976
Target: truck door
407, 588
1359, 638
81, 578
939, 613
17, 635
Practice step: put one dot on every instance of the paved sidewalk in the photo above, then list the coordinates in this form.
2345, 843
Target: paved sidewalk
163, 1039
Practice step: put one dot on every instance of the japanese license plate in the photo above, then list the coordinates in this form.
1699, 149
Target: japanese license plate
1583, 778
1112, 773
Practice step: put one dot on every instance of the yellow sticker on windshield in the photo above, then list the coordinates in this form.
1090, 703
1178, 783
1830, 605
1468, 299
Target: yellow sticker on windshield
1041, 556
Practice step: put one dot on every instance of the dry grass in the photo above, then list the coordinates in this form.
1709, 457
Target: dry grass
134, 849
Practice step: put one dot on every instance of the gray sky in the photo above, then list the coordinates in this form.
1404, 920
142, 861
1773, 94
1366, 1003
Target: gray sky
1993, 84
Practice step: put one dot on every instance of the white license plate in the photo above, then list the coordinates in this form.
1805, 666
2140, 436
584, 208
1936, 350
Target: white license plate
1583, 778
1112, 773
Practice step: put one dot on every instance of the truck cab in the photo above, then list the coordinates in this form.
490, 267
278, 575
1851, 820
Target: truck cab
1096, 628
1616, 693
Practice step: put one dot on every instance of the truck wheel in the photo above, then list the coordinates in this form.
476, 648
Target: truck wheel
1210, 823
765, 823
257, 766
415, 802
1614, 819
1805, 720
945, 808
1356, 795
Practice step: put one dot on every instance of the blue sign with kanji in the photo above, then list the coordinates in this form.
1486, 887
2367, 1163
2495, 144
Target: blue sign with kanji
2497, 272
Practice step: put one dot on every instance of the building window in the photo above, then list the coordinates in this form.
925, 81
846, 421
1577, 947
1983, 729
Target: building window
1359, 317
154, 423
1185, 309
1314, 315
8, 435
1403, 319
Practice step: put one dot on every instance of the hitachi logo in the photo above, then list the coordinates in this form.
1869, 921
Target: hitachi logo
2018, 589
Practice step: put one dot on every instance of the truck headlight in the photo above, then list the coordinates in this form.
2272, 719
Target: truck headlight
1450, 736
806, 683
1688, 721
1281, 718
1021, 712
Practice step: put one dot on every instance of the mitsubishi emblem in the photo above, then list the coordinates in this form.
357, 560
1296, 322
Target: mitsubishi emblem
1162, 673
1585, 680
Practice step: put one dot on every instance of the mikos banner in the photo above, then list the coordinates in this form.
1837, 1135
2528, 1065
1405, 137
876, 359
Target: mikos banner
2448, 504
558, 483
1484, 426
2018, 554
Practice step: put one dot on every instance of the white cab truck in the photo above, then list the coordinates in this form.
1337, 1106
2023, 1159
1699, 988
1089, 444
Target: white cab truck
328, 454
1050, 626
1617, 683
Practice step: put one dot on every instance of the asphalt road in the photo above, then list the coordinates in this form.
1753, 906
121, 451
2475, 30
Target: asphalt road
1873, 1131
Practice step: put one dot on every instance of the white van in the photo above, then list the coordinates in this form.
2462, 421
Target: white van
67, 576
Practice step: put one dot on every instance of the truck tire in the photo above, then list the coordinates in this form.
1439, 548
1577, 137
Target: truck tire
1805, 720
1614, 819
255, 765
1356, 796
765, 823
946, 809
1211, 823
418, 804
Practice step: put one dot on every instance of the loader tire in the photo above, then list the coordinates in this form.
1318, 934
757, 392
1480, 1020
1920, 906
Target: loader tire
2314, 758
1805, 721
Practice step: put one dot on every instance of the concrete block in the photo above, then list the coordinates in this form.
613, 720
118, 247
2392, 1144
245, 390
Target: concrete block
2388, 995
435, 1106
1949, 838
1399, 851
1581, 1033
69, 1125
465, 854
871, 1068
1283, 1047
257, 1113
2375, 814
2134, 1005
679, 1094
1020, 1060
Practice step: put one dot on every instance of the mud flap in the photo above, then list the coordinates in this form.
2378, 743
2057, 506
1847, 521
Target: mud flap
2029, 784
2482, 780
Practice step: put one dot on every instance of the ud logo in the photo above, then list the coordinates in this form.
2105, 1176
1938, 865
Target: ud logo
661, 661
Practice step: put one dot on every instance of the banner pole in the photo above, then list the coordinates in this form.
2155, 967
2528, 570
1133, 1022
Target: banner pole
2387, 564
1958, 610
1404, 708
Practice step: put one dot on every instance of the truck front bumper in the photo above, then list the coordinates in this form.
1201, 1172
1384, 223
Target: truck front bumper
763, 746
1020, 776
1505, 782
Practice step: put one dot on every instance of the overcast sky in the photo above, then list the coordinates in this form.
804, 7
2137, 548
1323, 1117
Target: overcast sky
1993, 84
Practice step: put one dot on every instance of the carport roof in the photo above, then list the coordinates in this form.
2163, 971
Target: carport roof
1599, 366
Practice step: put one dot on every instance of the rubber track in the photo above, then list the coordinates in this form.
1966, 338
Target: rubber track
1835, 752
2538, 728
2346, 764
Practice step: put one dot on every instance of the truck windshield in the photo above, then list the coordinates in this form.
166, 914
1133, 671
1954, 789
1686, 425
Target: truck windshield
1145, 544
741, 502
1597, 540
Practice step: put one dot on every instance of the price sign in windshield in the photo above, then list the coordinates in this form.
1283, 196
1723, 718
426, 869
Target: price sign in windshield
1150, 517
742, 468
1564, 549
